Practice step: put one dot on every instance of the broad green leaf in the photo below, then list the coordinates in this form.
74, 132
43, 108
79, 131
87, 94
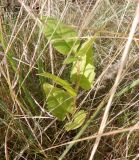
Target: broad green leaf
78, 120
61, 82
63, 37
59, 102
83, 70
70, 59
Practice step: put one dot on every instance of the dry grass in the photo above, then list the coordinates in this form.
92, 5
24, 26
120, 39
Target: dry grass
27, 130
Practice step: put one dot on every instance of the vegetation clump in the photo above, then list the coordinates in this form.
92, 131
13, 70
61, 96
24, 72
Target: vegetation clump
69, 79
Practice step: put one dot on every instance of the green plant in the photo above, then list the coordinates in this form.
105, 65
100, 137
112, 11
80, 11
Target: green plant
61, 102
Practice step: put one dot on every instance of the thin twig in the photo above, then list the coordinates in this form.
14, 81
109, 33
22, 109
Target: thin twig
117, 80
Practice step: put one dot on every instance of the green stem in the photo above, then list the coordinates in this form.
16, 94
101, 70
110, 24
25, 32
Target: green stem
126, 89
